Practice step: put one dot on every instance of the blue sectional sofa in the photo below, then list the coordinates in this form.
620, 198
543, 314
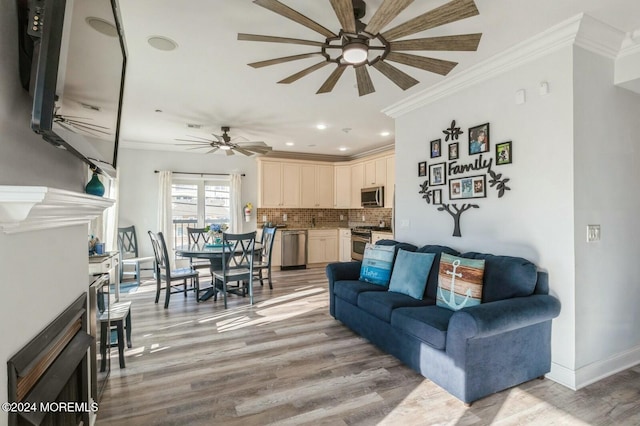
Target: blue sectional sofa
472, 352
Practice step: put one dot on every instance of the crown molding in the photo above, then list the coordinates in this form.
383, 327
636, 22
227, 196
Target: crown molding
290, 155
32, 208
581, 30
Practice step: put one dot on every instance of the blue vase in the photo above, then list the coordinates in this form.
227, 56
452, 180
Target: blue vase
95, 187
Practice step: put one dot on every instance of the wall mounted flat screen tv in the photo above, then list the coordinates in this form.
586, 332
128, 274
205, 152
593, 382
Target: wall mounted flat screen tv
73, 62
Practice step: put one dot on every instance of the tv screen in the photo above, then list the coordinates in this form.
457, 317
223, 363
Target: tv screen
77, 76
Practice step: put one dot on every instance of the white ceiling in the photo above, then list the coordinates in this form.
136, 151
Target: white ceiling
206, 80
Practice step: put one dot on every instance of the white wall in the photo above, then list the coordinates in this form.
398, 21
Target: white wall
139, 184
535, 219
607, 170
38, 279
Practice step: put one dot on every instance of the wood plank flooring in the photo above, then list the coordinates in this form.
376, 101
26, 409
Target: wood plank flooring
286, 361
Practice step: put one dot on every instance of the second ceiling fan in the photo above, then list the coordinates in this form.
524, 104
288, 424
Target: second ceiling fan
225, 143
360, 45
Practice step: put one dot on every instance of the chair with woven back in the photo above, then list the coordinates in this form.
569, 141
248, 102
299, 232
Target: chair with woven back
128, 253
168, 275
263, 262
237, 265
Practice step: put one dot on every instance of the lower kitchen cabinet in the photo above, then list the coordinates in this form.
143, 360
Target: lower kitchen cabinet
322, 246
345, 245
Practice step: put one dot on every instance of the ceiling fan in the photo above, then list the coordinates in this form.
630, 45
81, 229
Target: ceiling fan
78, 124
358, 44
225, 143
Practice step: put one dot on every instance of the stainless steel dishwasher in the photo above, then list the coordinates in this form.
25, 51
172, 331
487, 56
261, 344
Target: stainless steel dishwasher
294, 250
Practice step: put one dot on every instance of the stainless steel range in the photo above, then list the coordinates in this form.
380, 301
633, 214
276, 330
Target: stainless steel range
360, 236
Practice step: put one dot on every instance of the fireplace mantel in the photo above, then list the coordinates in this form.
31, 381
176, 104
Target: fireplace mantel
32, 208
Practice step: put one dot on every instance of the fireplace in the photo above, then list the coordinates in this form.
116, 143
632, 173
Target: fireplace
49, 377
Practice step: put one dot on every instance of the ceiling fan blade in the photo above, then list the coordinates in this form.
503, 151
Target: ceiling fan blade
213, 150
243, 151
287, 12
251, 143
438, 66
344, 12
385, 14
195, 147
365, 85
400, 78
304, 72
72, 121
191, 144
282, 60
196, 137
228, 152
259, 151
330, 82
270, 39
461, 42
450, 12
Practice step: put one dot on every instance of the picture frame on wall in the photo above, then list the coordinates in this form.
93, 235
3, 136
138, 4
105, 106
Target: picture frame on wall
504, 154
479, 139
437, 197
422, 168
454, 152
436, 148
438, 174
468, 187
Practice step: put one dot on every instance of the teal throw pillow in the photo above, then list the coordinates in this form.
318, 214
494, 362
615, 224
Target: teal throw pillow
377, 264
460, 282
410, 273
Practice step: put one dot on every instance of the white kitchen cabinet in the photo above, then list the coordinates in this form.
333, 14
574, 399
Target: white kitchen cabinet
342, 185
344, 252
377, 236
316, 184
357, 182
279, 184
375, 172
322, 246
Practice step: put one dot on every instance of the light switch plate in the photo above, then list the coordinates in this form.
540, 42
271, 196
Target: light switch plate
593, 233
284, 217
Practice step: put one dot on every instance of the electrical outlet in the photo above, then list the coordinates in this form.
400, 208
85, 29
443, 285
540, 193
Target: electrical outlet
264, 217
284, 217
593, 233
363, 218
341, 217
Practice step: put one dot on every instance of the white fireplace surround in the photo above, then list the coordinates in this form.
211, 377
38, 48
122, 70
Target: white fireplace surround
32, 208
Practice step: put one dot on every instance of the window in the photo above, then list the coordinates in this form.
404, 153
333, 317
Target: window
197, 203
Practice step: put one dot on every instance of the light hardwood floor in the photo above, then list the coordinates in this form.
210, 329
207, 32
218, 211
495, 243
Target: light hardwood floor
286, 361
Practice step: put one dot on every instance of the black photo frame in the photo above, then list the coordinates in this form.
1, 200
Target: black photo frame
468, 187
454, 151
422, 168
435, 148
437, 197
438, 174
504, 153
479, 139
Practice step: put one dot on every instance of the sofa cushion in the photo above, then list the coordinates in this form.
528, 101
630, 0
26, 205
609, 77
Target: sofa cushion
410, 272
459, 282
349, 290
505, 276
432, 282
377, 264
381, 303
427, 323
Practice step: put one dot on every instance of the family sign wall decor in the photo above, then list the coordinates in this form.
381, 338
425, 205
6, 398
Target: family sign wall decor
476, 172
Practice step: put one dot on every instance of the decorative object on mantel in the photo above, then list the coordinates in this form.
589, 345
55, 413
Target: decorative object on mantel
247, 212
34, 208
466, 187
95, 186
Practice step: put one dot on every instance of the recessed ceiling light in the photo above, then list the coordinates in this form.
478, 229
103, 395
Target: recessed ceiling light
289, 144
343, 148
102, 26
385, 133
162, 43
321, 126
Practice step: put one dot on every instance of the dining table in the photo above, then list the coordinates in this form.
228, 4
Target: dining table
214, 253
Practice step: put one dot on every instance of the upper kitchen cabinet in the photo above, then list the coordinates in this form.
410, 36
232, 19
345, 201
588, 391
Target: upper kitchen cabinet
279, 184
316, 183
375, 172
357, 183
342, 185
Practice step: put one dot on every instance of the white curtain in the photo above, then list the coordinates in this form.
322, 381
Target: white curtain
165, 219
111, 215
237, 209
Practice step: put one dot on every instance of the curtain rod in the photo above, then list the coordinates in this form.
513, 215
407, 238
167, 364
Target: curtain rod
201, 174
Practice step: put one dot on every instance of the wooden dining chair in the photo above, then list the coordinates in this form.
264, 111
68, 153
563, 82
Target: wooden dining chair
201, 237
166, 274
263, 262
129, 256
237, 266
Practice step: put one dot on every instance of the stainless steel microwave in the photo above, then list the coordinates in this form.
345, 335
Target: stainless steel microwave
372, 197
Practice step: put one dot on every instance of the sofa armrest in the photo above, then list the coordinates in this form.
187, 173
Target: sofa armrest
343, 271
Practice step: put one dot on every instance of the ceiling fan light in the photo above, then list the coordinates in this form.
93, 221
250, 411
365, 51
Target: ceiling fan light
355, 52
224, 147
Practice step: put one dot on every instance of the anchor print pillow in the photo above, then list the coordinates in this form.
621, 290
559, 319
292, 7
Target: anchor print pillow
459, 282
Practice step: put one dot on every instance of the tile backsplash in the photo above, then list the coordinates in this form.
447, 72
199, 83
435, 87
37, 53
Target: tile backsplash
324, 217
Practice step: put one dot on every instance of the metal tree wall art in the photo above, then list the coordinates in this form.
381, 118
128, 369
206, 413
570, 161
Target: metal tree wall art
466, 178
